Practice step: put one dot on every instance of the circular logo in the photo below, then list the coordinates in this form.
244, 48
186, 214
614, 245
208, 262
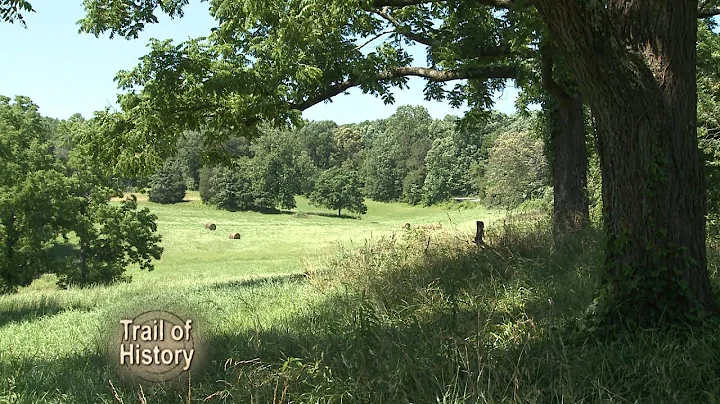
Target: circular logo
156, 346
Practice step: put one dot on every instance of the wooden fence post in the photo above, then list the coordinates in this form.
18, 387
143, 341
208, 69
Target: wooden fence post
480, 233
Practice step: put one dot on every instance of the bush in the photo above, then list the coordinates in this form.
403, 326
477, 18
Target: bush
167, 184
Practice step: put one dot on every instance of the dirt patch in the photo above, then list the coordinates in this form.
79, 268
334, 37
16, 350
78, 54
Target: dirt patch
140, 197
190, 196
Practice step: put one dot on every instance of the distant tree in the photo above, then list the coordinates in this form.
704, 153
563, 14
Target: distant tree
316, 138
708, 80
189, 158
347, 143
167, 185
308, 173
223, 189
517, 170
381, 172
413, 186
276, 169
204, 186
395, 150
264, 177
339, 188
447, 172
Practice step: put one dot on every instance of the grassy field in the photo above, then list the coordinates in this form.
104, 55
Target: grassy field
50, 340
311, 308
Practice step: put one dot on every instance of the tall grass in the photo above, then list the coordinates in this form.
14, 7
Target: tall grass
416, 316
429, 317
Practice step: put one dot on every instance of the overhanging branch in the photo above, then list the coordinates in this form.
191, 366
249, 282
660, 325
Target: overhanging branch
406, 3
497, 3
403, 30
434, 75
708, 12
401, 3
548, 81
475, 51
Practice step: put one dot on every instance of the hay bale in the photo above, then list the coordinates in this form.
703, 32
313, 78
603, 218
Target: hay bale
235, 236
210, 226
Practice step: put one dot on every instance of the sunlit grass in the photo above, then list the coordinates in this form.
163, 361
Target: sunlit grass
51, 341
310, 308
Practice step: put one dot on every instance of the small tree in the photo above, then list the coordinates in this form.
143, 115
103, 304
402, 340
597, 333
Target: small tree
167, 184
44, 199
339, 188
111, 238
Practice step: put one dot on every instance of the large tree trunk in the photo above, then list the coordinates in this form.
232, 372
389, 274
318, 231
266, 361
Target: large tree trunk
635, 63
569, 166
569, 161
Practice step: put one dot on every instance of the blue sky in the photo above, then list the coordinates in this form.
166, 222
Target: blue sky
65, 72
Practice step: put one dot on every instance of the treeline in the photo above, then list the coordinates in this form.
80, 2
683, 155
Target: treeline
409, 157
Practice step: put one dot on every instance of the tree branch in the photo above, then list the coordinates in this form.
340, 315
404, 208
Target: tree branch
486, 51
548, 81
497, 3
405, 3
403, 30
374, 38
708, 12
434, 75
401, 3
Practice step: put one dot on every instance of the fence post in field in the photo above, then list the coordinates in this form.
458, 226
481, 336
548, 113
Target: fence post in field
480, 233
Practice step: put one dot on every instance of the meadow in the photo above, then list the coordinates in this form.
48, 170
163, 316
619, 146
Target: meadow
311, 308
50, 339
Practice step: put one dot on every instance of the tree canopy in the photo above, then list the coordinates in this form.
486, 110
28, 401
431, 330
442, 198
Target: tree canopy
339, 188
48, 195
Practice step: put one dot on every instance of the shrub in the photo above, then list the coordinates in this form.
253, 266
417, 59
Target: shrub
167, 184
206, 173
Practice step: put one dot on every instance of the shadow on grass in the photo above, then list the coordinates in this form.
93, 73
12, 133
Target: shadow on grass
333, 215
478, 325
255, 281
30, 311
445, 324
306, 214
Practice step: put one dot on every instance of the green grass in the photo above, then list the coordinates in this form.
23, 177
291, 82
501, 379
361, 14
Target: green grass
383, 315
50, 339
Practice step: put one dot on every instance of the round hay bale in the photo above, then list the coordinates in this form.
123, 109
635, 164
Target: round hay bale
406, 226
210, 226
235, 236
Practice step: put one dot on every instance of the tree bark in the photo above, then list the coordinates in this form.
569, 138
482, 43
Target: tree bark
569, 162
569, 165
635, 64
